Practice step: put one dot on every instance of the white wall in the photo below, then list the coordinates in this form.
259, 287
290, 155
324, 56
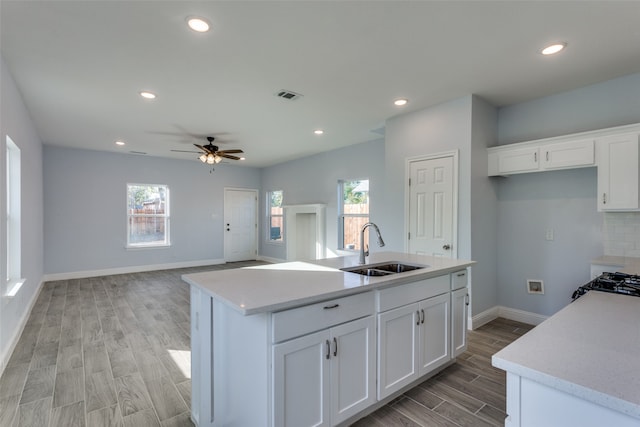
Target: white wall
563, 200
85, 209
314, 179
16, 123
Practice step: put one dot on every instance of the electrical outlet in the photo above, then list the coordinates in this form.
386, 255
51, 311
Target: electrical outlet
549, 234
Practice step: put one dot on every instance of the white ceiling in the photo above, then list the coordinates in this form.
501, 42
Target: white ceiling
81, 64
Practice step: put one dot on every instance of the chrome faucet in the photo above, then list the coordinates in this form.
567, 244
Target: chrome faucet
364, 253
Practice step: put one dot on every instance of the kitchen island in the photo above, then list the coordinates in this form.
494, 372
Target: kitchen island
305, 343
580, 367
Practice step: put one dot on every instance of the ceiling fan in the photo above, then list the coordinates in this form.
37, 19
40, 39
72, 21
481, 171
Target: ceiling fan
211, 155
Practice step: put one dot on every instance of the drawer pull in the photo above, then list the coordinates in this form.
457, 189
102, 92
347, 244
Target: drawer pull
461, 274
329, 307
335, 348
328, 349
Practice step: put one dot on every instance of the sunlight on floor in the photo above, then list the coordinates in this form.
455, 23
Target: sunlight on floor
182, 359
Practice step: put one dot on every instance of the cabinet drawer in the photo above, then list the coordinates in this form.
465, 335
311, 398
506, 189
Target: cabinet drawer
459, 279
303, 320
411, 292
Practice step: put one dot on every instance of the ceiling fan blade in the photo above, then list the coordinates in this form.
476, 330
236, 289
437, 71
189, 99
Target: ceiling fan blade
206, 150
228, 156
185, 151
230, 151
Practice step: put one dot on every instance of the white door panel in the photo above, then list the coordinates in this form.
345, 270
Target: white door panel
431, 206
240, 222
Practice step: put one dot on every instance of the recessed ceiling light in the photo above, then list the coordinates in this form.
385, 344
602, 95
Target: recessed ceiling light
553, 48
318, 131
242, 158
199, 25
147, 94
400, 102
120, 142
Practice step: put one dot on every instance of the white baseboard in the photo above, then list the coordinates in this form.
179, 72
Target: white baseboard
131, 269
483, 318
507, 313
270, 259
521, 315
17, 333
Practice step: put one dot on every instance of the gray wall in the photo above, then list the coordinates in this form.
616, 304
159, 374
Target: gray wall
444, 127
16, 123
314, 179
563, 200
85, 208
468, 124
484, 209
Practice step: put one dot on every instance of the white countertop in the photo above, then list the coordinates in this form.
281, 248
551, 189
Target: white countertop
280, 286
589, 349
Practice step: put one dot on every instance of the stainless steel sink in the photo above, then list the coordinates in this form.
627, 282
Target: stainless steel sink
383, 269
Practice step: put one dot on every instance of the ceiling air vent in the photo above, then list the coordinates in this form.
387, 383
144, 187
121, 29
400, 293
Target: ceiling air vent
288, 95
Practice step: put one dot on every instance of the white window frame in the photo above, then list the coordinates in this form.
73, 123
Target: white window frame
270, 216
342, 215
165, 216
13, 279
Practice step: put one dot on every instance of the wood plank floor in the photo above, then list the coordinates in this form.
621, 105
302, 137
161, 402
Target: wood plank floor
115, 351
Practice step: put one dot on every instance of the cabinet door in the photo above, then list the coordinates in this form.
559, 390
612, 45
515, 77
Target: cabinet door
353, 372
518, 160
459, 304
435, 345
397, 348
618, 163
570, 154
301, 381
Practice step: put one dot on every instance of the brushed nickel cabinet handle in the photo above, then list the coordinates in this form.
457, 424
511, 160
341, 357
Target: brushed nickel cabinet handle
422, 316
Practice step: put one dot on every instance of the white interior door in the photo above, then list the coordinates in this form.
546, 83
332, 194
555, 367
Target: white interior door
240, 224
432, 206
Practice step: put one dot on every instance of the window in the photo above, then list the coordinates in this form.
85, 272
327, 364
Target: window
353, 212
275, 213
147, 215
13, 279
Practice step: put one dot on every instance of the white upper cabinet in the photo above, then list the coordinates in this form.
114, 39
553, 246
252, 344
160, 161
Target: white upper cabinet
572, 151
541, 156
570, 154
618, 177
518, 160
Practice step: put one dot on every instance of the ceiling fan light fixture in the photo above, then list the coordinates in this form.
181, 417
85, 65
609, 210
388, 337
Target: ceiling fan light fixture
203, 158
217, 159
211, 159
199, 25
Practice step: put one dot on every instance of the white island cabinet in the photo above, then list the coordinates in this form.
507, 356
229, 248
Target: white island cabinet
580, 367
300, 344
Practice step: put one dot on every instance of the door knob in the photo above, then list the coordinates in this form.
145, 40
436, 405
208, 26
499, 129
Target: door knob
446, 247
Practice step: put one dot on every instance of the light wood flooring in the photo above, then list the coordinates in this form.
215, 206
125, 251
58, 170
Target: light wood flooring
115, 351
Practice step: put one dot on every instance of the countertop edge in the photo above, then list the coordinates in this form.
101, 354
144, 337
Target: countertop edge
593, 396
383, 282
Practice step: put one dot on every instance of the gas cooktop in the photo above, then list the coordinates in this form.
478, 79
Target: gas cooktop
618, 283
